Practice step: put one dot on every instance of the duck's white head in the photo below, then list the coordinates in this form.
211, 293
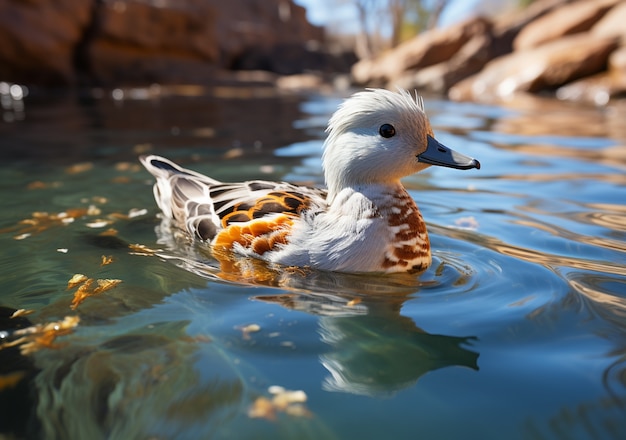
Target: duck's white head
378, 137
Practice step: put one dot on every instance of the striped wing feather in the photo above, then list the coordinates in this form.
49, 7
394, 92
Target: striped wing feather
205, 205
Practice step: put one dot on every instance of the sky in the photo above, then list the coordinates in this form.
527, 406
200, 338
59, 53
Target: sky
318, 11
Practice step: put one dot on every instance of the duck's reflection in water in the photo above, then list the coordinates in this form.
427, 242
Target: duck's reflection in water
374, 349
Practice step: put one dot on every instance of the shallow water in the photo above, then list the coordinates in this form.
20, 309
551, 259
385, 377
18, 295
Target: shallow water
518, 330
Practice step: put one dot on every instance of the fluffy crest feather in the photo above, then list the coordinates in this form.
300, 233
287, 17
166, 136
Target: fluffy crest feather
354, 151
371, 102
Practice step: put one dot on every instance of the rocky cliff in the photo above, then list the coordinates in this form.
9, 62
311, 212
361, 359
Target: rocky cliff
100, 42
574, 49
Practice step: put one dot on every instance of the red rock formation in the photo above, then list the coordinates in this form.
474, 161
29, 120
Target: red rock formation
427, 49
116, 42
38, 39
542, 48
545, 67
470, 59
137, 42
565, 20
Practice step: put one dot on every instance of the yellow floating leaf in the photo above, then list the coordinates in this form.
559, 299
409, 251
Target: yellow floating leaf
284, 398
41, 221
251, 328
275, 389
37, 184
21, 312
99, 200
93, 210
10, 380
46, 337
79, 168
287, 401
99, 223
76, 280
140, 249
233, 153
121, 179
127, 166
82, 293
108, 233
262, 408
85, 290
142, 148
136, 212
106, 260
104, 285
33, 338
206, 132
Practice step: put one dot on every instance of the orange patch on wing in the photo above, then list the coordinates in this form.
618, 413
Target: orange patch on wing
272, 203
260, 235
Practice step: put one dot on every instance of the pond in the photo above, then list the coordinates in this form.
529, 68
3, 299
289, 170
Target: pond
517, 330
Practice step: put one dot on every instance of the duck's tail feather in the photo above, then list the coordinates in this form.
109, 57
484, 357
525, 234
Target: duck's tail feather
183, 195
161, 167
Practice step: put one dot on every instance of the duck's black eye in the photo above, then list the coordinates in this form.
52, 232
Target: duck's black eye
387, 130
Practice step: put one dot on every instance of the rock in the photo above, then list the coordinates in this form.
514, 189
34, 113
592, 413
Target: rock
429, 48
439, 78
602, 88
187, 40
282, 58
612, 24
137, 42
38, 39
184, 27
507, 28
566, 20
617, 61
123, 42
543, 68
598, 89
247, 29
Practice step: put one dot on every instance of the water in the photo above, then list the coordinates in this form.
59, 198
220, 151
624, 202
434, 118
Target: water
518, 330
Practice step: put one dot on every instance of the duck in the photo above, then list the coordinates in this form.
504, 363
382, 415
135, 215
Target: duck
364, 221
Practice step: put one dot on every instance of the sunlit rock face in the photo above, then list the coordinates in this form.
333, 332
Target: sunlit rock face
543, 68
142, 41
38, 39
567, 20
540, 49
430, 48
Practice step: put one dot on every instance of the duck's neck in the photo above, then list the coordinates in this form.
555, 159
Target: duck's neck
409, 248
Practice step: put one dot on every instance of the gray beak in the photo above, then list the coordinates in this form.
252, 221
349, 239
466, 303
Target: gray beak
439, 154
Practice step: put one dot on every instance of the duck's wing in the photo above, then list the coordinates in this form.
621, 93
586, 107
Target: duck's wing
204, 205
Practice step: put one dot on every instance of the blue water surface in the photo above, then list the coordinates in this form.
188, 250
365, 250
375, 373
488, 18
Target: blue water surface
517, 330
